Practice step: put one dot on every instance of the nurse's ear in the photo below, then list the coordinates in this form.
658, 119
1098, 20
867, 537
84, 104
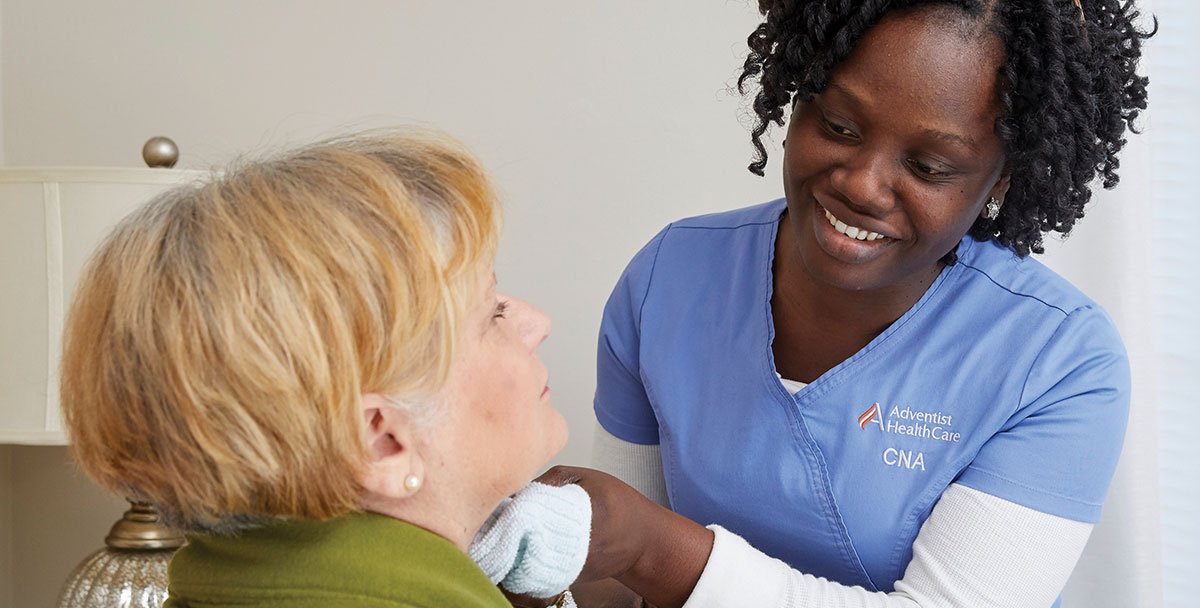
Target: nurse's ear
995, 196
1000, 188
395, 467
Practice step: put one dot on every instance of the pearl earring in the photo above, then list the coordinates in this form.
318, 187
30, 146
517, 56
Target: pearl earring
992, 210
412, 483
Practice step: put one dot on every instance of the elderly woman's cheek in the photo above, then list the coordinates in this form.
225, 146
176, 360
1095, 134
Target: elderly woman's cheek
541, 428
519, 420
557, 430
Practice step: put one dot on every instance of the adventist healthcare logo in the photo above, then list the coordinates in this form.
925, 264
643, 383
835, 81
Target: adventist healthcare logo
869, 416
914, 423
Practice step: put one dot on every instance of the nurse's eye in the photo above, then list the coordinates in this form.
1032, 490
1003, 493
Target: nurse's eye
838, 130
926, 170
835, 128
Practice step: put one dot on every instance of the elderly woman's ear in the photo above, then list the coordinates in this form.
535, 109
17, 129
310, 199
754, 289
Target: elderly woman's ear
394, 467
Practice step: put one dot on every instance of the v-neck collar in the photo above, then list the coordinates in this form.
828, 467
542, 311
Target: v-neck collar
835, 375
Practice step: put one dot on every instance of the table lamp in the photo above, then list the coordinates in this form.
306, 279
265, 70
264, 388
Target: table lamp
50, 221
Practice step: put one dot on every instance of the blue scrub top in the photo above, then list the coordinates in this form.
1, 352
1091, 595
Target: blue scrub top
1003, 377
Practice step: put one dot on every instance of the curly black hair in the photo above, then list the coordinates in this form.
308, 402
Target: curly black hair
1069, 89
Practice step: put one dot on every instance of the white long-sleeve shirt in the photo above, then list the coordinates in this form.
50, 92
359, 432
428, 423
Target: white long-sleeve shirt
974, 550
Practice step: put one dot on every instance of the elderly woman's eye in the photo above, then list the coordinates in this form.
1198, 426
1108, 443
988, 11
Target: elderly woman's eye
501, 308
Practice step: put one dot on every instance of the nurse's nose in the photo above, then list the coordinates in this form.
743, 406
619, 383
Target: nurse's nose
864, 179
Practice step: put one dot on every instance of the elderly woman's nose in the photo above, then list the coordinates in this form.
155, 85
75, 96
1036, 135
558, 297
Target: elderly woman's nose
533, 323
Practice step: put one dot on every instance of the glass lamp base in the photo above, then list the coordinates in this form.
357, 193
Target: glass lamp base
114, 578
131, 571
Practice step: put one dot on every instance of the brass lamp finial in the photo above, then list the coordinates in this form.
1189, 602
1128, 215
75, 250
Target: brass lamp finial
140, 528
160, 151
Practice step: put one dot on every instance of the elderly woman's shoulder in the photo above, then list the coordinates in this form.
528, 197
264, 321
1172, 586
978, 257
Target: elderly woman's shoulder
360, 560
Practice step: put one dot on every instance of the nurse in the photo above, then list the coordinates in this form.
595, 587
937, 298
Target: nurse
867, 390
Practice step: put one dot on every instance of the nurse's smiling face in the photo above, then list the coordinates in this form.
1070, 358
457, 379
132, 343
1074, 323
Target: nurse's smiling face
887, 168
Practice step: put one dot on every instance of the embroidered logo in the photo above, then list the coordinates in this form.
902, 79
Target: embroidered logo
935, 425
869, 416
904, 459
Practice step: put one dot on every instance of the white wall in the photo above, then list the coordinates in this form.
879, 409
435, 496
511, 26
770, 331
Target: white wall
2, 36
600, 122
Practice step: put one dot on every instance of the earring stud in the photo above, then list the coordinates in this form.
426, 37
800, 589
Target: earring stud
992, 210
412, 483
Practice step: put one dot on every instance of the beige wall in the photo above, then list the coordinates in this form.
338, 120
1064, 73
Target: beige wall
57, 520
6, 529
50, 519
601, 122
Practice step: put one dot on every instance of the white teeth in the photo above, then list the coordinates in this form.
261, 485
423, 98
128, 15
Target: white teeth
854, 232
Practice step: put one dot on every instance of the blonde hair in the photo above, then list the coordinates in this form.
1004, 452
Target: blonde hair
221, 338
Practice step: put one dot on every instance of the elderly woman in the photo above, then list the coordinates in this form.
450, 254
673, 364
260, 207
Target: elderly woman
305, 363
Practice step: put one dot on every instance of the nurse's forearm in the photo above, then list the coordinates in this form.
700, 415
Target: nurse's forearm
674, 552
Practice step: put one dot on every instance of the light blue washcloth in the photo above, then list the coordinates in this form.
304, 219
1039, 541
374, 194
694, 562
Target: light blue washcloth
536, 542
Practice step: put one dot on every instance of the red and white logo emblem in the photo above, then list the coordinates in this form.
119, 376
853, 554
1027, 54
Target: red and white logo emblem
869, 416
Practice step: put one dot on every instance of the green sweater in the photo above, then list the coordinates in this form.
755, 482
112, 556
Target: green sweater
360, 560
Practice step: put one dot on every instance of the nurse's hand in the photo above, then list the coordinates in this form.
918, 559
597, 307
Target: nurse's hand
651, 550
620, 520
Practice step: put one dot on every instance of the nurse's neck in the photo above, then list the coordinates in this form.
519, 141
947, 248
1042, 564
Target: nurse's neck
863, 313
